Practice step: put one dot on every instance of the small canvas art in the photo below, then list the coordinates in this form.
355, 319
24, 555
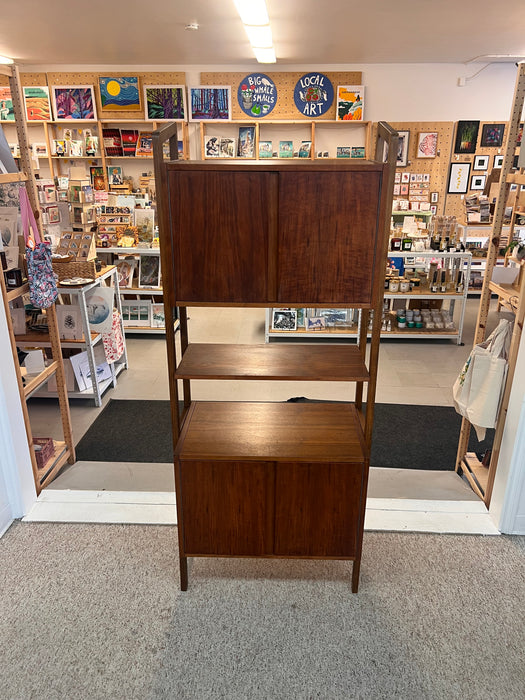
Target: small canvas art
165, 103
37, 103
265, 149
343, 152
284, 320
350, 103
466, 137
212, 147
285, 149
117, 93
246, 143
74, 102
210, 102
315, 323
357, 152
227, 147
492, 135
149, 271
427, 144
7, 112
125, 271
97, 177
145, 223
305, 149
158, 318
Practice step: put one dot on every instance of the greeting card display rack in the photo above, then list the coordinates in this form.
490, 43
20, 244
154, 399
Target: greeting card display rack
262, 479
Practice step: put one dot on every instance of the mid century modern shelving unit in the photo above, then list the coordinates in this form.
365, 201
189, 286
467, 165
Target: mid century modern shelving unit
272, 479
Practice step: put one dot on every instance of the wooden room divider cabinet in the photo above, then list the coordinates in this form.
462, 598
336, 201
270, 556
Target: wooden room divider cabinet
264, 479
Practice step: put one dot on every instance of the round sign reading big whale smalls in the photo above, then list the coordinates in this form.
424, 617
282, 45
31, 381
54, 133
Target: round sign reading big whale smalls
257, 95
313, 94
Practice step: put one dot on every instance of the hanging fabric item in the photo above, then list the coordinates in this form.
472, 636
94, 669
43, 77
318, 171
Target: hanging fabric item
40, 275
114, 340
479, 388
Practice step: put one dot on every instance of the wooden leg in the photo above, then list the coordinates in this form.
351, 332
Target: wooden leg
183, 573
355, 575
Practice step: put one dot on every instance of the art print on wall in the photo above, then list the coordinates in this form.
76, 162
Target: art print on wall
477, 182
37, 103
466, 137
458, 178
402, 149
498, 161
210, 102
481, 163
165, 103
350, 103
492, 135
7, 112
117, 93
313, 94
74, 102
257, 95
427, 144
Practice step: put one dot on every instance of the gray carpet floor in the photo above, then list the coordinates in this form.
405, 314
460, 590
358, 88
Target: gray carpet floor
95, 611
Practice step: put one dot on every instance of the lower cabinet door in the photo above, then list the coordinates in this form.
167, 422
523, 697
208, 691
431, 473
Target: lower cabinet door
317, 509
227, 508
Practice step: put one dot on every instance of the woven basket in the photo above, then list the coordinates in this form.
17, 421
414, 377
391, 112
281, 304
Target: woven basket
44, 449
75, 268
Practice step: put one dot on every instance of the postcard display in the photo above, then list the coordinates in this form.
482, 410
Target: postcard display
294, 117
272, 479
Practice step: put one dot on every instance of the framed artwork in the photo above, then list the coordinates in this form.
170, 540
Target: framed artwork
477, 182
434, 197
7, 112
158, 318
481, 163
284, 320
458, 178
145, 223
114, 175
136, 312
402, 149
227, 147
466, 137
210, 102
149, 271
118, 93
125, 270
37, 103
520, 135
74, 102
212, 146
246, 142
165, 103
492, 135
315, 323
350, 103
427, 144
498, 161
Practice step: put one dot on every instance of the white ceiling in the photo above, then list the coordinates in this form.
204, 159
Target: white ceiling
306, 32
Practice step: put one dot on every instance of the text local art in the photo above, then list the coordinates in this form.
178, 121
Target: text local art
313, 94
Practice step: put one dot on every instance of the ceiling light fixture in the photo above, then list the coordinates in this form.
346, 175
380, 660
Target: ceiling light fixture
252, 12
6, 61
254, 16
264, 55
260, 37
193, 27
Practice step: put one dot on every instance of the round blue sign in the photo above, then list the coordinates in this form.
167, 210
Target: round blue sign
313, 94
257, 95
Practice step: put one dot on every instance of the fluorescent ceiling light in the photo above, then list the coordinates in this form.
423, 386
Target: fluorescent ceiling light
264, 55
252, 12
260, 37
6, 60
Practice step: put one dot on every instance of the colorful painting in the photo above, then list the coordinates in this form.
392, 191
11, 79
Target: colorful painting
313, 94
38, 106
97, 177
427, 145
257, 95
492, 135
74, 102
165, 103
246, 143
210, 102
119, 93
7, 113
466, 137
350, 103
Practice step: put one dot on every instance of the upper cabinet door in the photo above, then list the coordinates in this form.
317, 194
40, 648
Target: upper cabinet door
221, 223
328, 228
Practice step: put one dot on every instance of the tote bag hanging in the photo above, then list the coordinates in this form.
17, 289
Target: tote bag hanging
40, 275
478, 390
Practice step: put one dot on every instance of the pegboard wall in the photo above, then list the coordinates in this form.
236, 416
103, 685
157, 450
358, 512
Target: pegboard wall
285, 84
88, 78
456, 202
437, 168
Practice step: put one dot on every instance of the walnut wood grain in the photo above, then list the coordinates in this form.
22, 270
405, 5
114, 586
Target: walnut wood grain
278, 362
299, 432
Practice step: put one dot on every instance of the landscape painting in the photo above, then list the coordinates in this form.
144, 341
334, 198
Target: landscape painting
165, 103
117, 93
38, 106
210, 102
74, 102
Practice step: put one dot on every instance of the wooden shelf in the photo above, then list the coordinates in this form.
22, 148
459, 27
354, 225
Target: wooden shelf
277, 432
34, 383
273, 362
54, 464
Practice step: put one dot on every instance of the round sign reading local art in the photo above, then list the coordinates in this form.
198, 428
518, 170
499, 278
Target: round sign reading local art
257, 95
313, 94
